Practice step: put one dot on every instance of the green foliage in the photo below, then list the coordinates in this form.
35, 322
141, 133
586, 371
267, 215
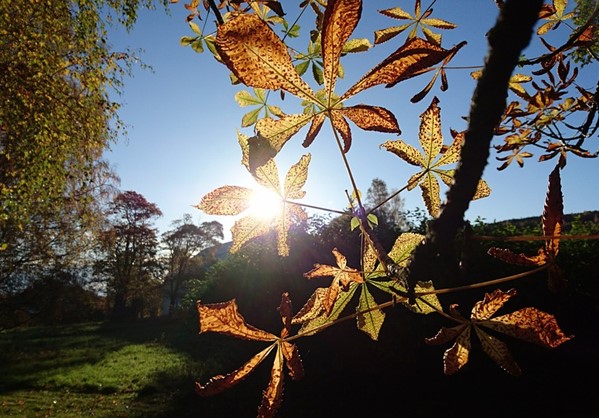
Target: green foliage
56, 119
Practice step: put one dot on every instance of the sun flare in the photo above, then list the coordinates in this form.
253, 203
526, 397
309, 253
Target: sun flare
265, 204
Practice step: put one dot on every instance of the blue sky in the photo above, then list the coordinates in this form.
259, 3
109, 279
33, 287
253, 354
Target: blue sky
182, 122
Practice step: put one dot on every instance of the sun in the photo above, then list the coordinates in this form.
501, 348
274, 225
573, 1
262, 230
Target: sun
265, 204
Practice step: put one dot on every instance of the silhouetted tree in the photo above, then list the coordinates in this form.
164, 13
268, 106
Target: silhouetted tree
128, 259
184, 244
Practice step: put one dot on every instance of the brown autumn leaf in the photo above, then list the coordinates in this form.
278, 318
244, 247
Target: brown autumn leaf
411, 59
528, 324
498, 351
258, 57
340, 20
273, 395
313, 308
553, 212
224, 318
220, 383
553, 218
342, 277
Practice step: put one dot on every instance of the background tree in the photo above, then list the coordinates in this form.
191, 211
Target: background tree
389, 206
128, 260
183, 244
56, 119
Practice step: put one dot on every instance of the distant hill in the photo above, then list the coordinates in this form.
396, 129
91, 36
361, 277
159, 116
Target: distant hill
535, 221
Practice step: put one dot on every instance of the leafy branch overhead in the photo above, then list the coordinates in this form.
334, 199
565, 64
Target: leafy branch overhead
259, 58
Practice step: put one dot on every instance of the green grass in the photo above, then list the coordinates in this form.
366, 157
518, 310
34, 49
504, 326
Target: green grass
104, 370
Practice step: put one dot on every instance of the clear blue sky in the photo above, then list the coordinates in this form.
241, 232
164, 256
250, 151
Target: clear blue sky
182, 121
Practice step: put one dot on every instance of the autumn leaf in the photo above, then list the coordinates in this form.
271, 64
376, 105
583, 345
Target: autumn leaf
273, 395
432, 158
342, 277
411, 59
340, 20
220, 383
527, 324
418, 20
313, 314
514, 83
226, 200
225, 318
258, 57
232, 200
552, 222
555, 15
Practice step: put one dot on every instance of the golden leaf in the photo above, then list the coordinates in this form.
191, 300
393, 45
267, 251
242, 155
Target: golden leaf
293, 360
296, 178
247, 228
341, 126
257, 57
445, 335
432, 158
340, 20
313, 308
317, 122
226, 200
342, 275
224, 318
309, 326
220, 383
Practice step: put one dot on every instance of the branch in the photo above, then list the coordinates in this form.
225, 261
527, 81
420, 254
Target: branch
507, 39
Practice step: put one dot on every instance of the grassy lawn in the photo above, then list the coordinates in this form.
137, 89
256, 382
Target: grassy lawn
102, 370
148, 369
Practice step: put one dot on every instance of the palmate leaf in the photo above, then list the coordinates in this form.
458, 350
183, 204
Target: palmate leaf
555, 15
419, 20
245, 98
527, 324
342, 277
220, 383
411, 59
232, 200
432, 158
553, 219
225, 318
